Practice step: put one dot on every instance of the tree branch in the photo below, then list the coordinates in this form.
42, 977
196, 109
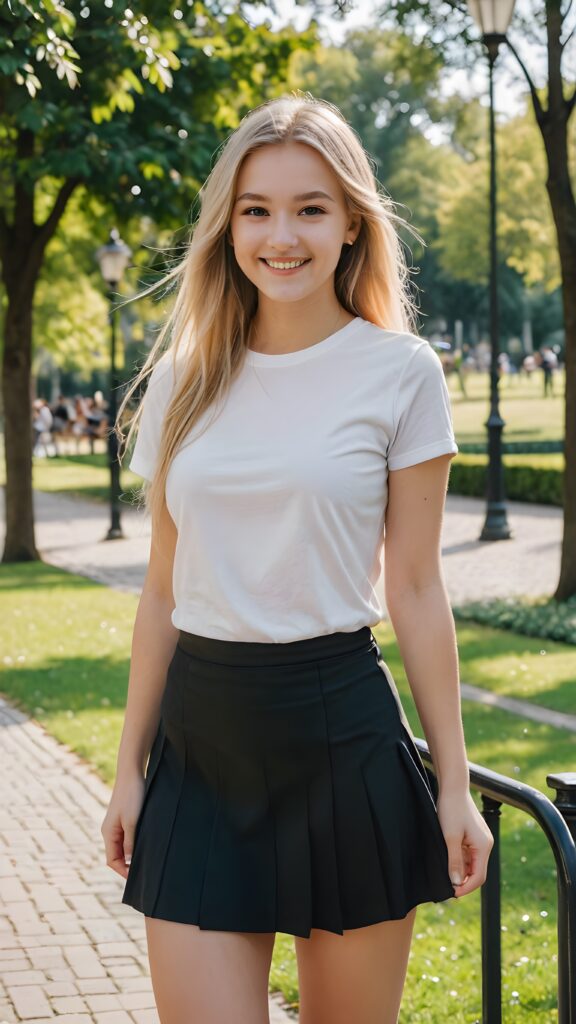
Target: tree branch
539, 109
44, 232
564, 42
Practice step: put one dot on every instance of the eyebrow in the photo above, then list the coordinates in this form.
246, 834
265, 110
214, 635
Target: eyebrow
317, 194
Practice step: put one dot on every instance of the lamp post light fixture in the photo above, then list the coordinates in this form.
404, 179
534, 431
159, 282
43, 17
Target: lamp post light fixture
493, 18
113, 259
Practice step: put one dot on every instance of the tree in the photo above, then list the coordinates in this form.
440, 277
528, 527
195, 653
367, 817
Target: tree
125, 107
545, 26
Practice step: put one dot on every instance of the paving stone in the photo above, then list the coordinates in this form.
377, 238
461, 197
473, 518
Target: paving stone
60, 974
145, 1016
84, 962
117, 949
46, 956
23, 978
137, 1000
60, 988
123, 972
96, 985
113, 1017
140, 983
75, 1018
29, 1001
69, 1004
103, 1002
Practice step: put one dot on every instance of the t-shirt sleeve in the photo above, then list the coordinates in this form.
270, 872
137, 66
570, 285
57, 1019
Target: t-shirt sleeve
154, 404
422, 419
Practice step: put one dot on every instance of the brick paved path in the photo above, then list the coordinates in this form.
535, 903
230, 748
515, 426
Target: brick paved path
69, 949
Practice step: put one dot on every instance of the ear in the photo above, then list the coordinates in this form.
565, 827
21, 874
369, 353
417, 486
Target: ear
353, 230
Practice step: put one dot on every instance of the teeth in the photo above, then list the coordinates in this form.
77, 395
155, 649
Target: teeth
284, 266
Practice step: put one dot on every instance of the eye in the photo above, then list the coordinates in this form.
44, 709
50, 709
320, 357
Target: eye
250, 210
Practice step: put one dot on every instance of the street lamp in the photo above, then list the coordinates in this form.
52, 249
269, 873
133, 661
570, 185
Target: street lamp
113, 259
493, 18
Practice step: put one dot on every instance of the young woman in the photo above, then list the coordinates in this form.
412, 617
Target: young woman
293, 425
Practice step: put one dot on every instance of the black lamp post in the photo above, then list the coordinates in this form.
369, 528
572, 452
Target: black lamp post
113, 259
493, 18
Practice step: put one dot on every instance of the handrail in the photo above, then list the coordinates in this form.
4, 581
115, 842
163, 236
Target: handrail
555, 822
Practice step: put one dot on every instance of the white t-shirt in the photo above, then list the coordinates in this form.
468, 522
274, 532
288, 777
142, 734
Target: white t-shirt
280, 503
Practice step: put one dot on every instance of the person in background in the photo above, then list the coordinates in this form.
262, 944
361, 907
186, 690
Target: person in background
42, 421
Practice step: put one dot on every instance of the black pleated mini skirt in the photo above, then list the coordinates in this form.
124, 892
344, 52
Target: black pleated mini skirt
284, 792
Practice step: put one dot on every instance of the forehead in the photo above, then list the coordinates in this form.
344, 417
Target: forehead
286, 168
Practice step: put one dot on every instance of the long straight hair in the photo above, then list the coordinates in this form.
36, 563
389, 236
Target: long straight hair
215, 302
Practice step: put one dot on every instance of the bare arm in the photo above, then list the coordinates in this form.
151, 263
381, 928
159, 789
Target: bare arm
422, 619
153, 644
420, 611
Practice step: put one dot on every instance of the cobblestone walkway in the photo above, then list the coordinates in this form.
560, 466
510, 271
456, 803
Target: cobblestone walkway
69, 949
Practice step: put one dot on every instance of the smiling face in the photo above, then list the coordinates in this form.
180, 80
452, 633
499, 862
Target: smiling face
289, 222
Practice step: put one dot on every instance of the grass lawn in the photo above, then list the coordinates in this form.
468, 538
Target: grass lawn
83, 476
524, 667
65, 643
527, 415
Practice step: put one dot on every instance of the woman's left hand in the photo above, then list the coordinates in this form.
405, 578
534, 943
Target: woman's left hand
468, 838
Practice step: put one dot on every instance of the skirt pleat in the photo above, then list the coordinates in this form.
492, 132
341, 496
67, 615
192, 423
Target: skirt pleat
284, 792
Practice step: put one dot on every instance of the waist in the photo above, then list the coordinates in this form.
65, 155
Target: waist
294, 652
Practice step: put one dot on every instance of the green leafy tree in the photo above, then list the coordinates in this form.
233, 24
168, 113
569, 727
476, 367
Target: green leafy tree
99, 101
385, 85
549, 28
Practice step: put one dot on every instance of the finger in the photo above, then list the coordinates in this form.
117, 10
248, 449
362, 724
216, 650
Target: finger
114, 846
119, 866
476, 875
456, 861
128, 845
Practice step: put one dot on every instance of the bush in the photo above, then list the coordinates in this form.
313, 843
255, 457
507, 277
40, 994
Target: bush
541, 617
527, 478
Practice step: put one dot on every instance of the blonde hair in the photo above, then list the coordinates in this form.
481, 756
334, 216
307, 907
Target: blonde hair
215, 302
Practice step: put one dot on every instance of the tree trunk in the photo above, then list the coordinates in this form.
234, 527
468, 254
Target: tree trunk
564, 213
19, 544
22, 247
553, 124
19, 276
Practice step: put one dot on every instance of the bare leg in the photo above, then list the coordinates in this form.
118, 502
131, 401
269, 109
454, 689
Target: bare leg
358, 976
209, 977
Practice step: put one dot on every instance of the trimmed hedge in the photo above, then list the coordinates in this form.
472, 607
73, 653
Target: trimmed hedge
529, 478
545, 618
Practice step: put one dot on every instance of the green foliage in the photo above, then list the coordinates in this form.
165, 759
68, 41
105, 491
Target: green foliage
34, 33
525, 481
527, 240
126, 109
545, 618
383, 83
153, 95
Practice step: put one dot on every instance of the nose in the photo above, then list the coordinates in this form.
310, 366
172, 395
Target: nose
281, 234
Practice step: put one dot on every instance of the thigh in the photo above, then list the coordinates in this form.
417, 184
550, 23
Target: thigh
358, 976
201, 976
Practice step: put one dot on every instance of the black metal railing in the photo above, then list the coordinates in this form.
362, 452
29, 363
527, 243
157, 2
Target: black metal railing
558, 822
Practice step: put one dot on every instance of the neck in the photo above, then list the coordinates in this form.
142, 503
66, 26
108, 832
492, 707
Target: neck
279, 328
